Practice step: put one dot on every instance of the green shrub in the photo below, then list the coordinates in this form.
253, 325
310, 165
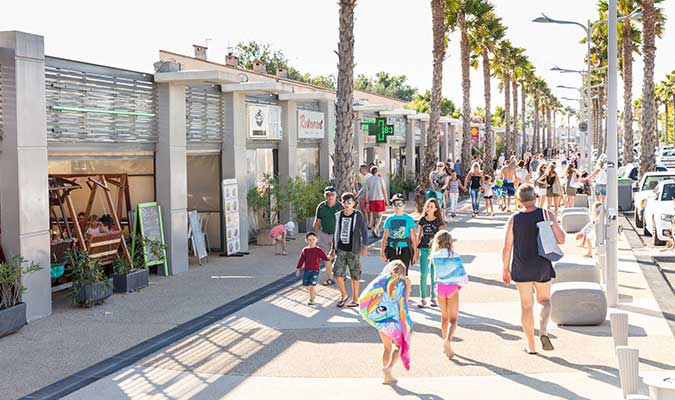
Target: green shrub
304, 196
11, 275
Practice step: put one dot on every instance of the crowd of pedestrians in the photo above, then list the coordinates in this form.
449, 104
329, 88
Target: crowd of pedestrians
532, 188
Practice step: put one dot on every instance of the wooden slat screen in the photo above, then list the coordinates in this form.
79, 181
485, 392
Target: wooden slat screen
204, 113
91, 103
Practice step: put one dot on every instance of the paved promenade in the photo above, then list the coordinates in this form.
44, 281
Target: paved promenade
281, 348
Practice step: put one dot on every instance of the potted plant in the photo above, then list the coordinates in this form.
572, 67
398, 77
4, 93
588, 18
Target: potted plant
304, 197
129, 278
90, 284
12, 310
267, 199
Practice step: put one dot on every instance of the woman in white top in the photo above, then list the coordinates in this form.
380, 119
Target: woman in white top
600, 175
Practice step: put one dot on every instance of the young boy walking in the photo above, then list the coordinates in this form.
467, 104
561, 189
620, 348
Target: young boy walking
311, 257
349, 243
399, 229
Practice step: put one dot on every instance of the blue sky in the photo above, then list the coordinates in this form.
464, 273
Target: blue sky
391, 35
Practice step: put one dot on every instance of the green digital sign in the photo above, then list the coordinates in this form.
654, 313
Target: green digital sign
378, 127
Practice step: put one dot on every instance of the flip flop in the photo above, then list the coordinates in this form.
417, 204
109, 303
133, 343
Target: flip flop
341, 303
546, 343
529, 352
352, 305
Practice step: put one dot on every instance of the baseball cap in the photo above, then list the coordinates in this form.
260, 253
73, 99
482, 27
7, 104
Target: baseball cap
328, 189
397, 197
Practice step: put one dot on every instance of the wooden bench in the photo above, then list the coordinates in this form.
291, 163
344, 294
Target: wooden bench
105, 246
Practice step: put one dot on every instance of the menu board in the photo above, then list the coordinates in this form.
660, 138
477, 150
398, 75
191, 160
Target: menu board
148, 224
231, 213
197, 236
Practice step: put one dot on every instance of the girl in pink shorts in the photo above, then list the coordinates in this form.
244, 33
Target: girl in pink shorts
450, 276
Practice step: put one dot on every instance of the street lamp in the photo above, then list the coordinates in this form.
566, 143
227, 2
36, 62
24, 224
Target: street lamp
612, 186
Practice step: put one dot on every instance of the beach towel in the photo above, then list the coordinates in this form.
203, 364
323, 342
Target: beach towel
384, 306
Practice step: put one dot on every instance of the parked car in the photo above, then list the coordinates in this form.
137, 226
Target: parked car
659, 212
667, 157
645, 188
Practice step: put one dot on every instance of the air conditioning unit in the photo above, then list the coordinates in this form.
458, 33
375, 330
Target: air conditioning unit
264, 122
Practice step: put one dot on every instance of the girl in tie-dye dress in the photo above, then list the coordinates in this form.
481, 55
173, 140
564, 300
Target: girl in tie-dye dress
384, 305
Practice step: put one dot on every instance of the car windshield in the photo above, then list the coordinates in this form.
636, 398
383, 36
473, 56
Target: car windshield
668, 192
651, 182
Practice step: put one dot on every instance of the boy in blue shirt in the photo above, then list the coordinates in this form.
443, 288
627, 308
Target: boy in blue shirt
399, 229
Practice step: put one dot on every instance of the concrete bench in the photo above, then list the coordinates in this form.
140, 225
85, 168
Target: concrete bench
573, 210
581, 200
578, 303
576, 272
572, 222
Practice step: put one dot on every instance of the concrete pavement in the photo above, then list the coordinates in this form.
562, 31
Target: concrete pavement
283, 348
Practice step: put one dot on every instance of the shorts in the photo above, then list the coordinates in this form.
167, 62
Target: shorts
347, 260
487, 197
540, 191
277, 237
509, 188
325, 240
310, 277
377, 206
600, 190
446, 290
404, 254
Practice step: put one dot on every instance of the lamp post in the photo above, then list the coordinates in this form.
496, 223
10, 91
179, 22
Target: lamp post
612, 232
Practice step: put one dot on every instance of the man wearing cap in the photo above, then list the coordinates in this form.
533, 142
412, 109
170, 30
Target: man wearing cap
376, 194
399, 229
324, 226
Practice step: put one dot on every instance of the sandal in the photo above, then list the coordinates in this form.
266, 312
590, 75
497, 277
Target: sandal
546, 343
352, 305
341, 303
529, 352
328, 282
434, 303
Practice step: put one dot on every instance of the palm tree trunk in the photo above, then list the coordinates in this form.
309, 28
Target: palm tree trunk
523, 96
627, 50
344, 137
554, 131
508, 137
548, 128
489, 135
535, 133
665, 135
466, 94
431, 145
516, 136
648, 120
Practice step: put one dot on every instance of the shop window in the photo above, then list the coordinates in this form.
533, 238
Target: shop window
307, 164
203, 192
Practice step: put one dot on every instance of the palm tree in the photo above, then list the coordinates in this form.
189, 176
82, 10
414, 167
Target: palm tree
538, 85
465, 16
519, 63
489, 31
648, 120
526, 79
344, 139
439, 29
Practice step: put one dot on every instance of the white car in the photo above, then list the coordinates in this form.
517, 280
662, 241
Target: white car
645, 188
667, 158
659, 212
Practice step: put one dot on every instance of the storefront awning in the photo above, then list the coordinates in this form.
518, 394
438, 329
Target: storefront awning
196, 77
398, 111
373, 107
419, 117
308, 96
258, 87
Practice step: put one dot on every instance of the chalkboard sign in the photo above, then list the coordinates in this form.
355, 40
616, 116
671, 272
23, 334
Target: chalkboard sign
148, 224
197, 236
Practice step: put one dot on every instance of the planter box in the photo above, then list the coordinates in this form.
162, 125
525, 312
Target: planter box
94, 293
263, 238
307, 226
134, 280
12, 319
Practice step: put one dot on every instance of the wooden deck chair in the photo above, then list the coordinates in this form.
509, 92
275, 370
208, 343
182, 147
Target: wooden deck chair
105, 246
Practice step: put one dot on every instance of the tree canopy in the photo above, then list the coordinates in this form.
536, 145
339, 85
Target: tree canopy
386, 85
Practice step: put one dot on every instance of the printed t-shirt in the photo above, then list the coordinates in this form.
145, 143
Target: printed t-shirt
345, 232
429, 229
399, 228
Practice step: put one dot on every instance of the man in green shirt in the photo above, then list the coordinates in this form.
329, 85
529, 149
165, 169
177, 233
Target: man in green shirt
324, 227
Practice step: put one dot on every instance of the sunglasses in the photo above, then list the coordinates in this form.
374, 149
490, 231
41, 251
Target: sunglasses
348, 202
398, 204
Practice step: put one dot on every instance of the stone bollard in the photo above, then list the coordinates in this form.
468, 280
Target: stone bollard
619, 324
629, 369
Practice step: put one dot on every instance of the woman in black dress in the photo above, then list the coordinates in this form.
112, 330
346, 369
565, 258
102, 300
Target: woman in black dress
531, 272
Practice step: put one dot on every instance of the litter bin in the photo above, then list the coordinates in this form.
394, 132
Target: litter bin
625, 194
